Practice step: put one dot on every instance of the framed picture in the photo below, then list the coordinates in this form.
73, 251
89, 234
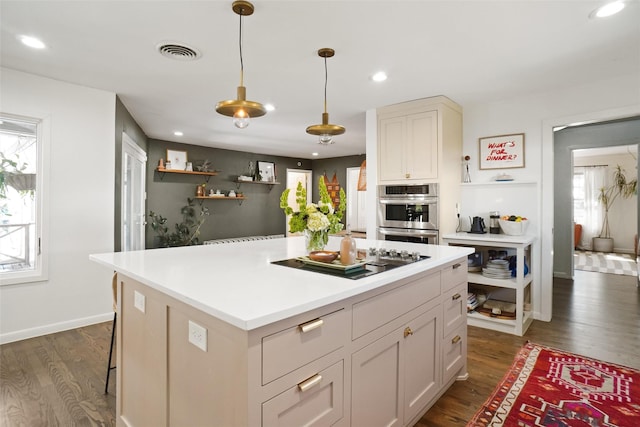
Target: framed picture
502, 151
267, 171
178, 159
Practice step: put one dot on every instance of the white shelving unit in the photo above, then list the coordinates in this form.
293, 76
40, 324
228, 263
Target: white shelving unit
521, 283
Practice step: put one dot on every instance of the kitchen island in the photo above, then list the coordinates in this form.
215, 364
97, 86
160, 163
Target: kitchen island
218, 335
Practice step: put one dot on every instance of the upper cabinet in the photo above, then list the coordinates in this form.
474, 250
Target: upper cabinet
418, 141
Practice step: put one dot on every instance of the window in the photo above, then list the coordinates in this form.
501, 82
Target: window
21, 200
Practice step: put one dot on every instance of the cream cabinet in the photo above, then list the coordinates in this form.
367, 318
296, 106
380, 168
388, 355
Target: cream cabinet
418, 139
420, 142
381, 357
396, 376
408, 147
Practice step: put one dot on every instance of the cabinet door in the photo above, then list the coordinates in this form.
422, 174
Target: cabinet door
376, 383
391, 148
314, 402
422, 146
454, 353
421, 353
454, 306
142, 356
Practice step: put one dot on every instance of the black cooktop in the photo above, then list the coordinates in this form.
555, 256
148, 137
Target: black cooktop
375, 264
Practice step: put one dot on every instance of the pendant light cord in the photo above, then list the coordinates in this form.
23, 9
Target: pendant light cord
241, 62
326, 77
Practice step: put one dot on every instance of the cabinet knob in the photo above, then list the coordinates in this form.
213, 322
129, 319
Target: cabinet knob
407, 331
455, 339
407, 175
457, 265
310, 382
456, 297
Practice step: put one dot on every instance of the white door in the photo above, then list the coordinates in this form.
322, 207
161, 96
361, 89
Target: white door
356, 202
294, 176
134, 165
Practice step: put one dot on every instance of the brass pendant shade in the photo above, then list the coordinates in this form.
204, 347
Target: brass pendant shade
325, 130
240, 109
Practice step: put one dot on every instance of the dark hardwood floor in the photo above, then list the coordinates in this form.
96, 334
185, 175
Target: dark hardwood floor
58, 379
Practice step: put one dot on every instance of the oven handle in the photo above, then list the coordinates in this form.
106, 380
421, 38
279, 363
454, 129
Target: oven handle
421, 200
408, 232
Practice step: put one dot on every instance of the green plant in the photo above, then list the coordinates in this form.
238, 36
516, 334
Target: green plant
186, 233
621, 187
319, 219
8, 167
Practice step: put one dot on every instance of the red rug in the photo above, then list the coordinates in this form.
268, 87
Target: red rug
549, 387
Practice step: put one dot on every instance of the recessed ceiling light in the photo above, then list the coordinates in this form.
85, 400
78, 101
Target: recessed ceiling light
380, 76
32, 42
178, 133
269, 107
314, 154
608, 9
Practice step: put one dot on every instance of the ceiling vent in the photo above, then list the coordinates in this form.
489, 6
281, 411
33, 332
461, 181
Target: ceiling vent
178, 51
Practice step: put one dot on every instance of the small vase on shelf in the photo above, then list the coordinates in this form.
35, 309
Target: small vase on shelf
316, 240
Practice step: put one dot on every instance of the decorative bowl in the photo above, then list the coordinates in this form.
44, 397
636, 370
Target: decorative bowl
323, 256
514, 228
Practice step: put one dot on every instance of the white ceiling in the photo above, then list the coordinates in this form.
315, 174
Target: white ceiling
471, 51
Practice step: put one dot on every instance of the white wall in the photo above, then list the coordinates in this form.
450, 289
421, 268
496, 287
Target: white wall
81, 211
534, 116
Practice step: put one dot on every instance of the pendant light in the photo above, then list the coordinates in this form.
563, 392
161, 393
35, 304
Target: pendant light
240, 109
325, 131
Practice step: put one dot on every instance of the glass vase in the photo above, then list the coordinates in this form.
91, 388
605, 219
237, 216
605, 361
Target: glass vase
316, 240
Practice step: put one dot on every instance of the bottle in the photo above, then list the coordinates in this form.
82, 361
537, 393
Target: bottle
494, 222
348, 250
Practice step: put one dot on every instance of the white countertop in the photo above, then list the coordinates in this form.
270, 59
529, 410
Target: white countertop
237, 283
525, 239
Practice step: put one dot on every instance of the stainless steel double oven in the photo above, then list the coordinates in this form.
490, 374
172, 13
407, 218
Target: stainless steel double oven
408, 213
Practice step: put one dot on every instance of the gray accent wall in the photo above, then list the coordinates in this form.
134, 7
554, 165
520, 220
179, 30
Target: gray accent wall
124, 123
623, 132
259, 214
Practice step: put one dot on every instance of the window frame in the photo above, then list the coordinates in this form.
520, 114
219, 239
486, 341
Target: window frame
40, 272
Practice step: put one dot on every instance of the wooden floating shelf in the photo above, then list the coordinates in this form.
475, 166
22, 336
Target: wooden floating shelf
239, 181
212, 173
220, 198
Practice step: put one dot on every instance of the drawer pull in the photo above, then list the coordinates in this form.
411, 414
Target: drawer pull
457, 265
455, 339
456, 297
310, 326
407, 331
310, 382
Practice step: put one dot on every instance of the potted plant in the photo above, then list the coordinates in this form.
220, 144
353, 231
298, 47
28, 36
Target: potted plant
621, 187
186, 233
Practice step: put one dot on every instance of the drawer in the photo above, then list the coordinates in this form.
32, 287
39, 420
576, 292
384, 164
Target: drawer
287, 350
315, 401
454, 351
454, 274
374, 312
454, 306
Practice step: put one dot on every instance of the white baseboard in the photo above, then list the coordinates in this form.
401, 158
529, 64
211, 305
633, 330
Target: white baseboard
54, 327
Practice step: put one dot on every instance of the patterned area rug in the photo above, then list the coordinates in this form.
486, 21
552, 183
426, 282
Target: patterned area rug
548, 387
605, 262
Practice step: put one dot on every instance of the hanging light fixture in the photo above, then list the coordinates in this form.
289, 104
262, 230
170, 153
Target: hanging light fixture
325, 131
240, 109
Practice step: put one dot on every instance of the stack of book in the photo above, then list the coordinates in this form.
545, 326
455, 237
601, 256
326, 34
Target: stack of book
472, 302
